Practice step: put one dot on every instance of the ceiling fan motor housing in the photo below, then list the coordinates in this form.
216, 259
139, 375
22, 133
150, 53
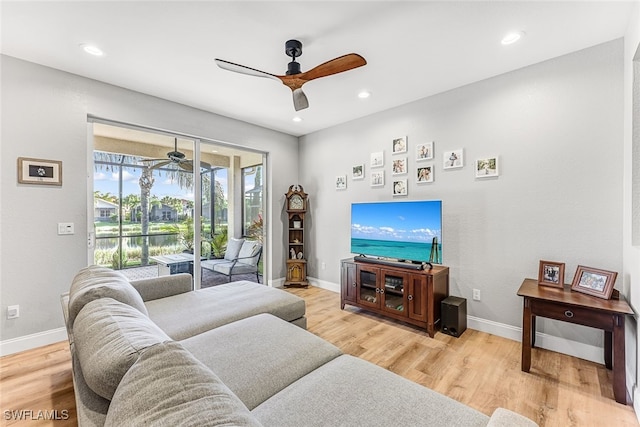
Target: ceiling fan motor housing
293, 48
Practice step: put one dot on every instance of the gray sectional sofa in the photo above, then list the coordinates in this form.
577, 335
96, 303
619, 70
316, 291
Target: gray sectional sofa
157, 353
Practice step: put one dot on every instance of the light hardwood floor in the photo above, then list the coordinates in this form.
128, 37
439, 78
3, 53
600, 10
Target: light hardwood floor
478, 369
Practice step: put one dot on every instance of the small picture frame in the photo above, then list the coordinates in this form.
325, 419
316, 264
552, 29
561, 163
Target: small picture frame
39, 171
399, 166
424, 174
377, 159
453, 159
400, 187
551, 274
424, 151
399, 145
357, 172
377, 179
487, 167
593, 281
341, 182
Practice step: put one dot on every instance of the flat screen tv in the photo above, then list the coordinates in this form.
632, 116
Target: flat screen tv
407, 231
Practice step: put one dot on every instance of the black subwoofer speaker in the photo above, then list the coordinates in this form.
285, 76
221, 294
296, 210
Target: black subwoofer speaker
453, 312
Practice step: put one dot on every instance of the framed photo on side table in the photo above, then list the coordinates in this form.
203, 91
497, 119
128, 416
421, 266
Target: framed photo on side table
593, 281
551, 274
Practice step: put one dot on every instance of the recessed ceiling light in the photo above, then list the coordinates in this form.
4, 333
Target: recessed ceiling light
297, 119
364, 94
512, 37
91, 49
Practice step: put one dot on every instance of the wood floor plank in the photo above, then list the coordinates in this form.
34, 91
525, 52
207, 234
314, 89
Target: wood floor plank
477, 369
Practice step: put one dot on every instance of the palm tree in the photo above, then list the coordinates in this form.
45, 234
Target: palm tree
146, 182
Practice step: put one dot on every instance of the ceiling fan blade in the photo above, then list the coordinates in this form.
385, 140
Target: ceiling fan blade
334, 66
237, 68
161, 164
188, 166
300, 101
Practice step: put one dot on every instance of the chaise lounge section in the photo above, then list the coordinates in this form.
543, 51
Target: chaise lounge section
133, 367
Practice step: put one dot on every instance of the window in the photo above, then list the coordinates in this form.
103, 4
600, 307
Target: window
252, 206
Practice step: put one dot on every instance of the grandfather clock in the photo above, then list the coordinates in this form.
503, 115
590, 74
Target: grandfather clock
296, 207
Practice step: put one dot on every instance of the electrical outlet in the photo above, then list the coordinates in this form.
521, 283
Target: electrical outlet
323, 265
476, 294
13, 312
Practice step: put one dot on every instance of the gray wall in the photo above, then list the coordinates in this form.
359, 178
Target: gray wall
558, 129
44, 115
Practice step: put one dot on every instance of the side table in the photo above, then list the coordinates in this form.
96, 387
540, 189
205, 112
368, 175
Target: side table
575, 307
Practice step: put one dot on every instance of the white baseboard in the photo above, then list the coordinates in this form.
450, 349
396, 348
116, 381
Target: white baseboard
323, 284
28, 342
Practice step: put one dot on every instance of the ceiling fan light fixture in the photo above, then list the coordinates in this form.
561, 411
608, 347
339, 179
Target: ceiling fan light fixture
92, 49
512, 37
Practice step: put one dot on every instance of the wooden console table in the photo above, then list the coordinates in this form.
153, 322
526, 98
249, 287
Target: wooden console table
581, 309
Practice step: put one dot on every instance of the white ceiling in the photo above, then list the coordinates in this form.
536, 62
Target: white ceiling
413, 49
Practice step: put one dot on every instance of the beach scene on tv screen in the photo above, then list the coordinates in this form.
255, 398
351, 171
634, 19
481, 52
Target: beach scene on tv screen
397, 230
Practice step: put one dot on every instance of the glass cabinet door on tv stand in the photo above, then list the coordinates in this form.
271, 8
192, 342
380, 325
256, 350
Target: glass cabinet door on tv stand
381, 289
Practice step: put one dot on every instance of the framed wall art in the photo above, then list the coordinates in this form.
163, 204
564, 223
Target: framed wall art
453, 159
400, 187
399, 145
424, 151
551, 274
357, 172
424, 174
400, 166
341, 182
39, 171
487, 167
593, 281
377, 159
377, 179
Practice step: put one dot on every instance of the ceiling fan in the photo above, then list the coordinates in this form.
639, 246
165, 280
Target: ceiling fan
294, 78
175, 157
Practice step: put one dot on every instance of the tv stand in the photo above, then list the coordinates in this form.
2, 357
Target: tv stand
410, 295
399, 263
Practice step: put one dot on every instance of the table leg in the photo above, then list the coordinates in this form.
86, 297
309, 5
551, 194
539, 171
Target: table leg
526, 335
619, 379
533, 331
608, 349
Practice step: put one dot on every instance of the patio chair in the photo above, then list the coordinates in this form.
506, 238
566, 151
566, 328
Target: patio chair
245, 261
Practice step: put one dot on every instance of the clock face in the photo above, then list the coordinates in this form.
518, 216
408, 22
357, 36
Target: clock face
296, 202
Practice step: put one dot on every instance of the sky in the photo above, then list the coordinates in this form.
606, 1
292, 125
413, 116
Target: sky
107, 181
414, 221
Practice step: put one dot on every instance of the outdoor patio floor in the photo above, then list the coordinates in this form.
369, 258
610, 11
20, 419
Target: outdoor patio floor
209, 278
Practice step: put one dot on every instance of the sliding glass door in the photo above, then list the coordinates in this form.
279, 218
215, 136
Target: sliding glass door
162, 203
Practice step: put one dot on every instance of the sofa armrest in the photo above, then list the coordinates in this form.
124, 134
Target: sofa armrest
163, 286
505, 418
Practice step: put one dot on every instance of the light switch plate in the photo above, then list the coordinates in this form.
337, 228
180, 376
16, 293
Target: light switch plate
65, 228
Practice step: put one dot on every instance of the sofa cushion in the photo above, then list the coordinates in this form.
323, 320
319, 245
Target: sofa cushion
233, 249
249, 249
163, 286
185, 315
259, 356
349, 391
109, 337
167, 386
96, 282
